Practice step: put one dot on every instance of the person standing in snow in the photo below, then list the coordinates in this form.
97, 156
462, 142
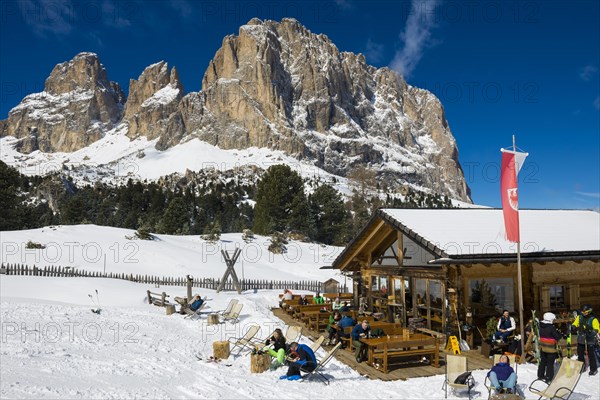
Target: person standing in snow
304, 360
587, 329
549, 338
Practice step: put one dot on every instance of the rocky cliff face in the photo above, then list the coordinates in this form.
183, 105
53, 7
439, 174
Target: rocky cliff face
274, 85
152, 99
78, 105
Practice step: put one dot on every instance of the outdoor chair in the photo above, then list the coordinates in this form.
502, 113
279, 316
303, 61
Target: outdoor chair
229, 307
316, 345
321, 364
191, 314
246, 341
512, 360
293, 333
563, 384
456, 366
234, 315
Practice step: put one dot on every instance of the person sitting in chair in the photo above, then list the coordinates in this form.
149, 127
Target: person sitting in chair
277, 340
506, 324
194, 304
302, 359
502, 376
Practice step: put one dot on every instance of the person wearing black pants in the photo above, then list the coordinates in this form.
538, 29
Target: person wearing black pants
587, 328
549, 338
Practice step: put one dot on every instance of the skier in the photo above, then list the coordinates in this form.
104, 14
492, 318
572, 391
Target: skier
588, 327
549, 338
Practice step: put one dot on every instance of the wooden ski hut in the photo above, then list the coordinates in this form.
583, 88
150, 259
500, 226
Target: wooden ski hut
433, 266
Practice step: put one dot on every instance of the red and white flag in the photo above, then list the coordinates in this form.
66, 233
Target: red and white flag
511, 164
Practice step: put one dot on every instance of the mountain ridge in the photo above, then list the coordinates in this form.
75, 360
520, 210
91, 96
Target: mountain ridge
275, 85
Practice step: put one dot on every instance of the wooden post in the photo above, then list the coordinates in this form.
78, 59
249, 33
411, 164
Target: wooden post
221, 350
259, 363
213, 319
170, 309
190, 280
149, 297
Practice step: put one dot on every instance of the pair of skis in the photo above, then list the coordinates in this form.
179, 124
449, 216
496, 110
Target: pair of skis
212, 359
97, 309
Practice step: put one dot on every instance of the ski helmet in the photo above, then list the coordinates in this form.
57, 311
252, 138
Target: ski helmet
586, 309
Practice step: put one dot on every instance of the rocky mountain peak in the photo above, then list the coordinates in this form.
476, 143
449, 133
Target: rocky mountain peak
153, 97
78, 105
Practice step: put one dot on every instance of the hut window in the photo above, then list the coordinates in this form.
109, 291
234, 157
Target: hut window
491, 295
557, 297
429, 301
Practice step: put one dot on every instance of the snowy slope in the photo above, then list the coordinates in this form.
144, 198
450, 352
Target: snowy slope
54, 347
87, 247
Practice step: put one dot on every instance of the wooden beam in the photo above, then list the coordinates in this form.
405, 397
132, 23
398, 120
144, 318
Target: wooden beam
400, 248
362, 245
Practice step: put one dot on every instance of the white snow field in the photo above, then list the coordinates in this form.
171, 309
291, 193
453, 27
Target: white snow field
53, 346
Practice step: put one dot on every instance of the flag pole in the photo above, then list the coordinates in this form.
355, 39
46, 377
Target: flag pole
519, 279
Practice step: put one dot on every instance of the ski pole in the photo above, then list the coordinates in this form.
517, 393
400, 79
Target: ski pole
98, 298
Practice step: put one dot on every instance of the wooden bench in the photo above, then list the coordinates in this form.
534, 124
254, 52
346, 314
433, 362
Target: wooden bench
158, 299
403, 348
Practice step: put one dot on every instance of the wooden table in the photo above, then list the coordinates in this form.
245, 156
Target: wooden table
395, 346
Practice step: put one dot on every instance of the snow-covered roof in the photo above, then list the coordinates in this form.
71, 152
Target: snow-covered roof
465, 232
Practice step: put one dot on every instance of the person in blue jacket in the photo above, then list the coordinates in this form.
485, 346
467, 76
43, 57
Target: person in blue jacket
345, 322
502, 376
360, 331
303, 360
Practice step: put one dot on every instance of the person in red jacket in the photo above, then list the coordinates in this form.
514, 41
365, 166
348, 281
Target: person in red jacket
549, 338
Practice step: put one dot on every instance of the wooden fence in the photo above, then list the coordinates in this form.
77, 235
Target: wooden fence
205, 283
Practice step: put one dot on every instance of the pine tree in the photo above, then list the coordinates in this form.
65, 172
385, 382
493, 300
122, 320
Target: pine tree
329, 215
280, 201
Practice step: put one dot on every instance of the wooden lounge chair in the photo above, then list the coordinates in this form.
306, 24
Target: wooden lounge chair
246, 342
563, 384
321, 364
455, 366
234, 315
512, 360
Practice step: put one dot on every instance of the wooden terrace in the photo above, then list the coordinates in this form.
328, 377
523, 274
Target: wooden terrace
409, 369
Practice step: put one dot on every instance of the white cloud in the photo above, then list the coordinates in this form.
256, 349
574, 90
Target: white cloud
47, 17
344, 4
374, 51
589, 194
587, 73
416, 36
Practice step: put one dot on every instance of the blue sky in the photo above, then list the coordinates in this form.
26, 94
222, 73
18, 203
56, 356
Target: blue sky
529, 68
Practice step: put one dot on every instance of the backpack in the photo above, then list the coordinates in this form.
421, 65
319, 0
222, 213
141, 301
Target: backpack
465, 379
377, 333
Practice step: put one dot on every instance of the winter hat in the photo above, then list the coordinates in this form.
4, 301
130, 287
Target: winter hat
549, 318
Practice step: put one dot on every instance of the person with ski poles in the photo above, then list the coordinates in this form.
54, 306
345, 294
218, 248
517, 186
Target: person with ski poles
549, 337
587, 329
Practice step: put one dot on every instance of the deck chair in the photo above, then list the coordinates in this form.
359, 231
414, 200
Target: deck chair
293, 333
234, 315
245, 342
512, 360
456, 366
316, 345
563, 384
229, 307
321, 364
194, 314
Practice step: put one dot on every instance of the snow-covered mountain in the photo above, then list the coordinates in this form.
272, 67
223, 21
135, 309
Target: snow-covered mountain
275, 86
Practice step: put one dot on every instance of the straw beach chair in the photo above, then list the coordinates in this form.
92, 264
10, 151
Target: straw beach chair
234, 315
